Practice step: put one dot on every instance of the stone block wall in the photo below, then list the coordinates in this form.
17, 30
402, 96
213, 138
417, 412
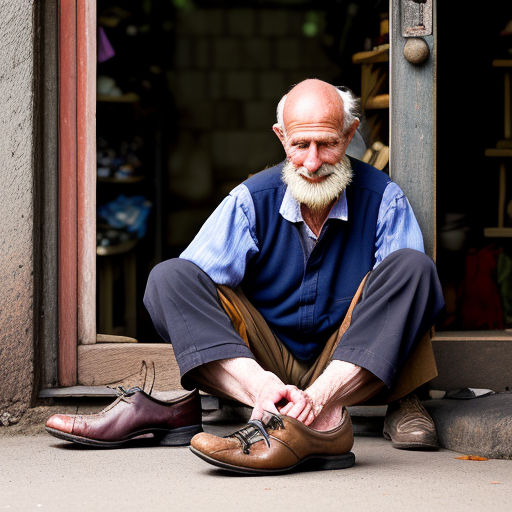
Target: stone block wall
16, 209
231, 67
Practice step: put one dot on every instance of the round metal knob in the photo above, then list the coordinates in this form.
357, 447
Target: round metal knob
416, 50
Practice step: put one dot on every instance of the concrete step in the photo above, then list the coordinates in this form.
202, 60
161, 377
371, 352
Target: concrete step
480, 426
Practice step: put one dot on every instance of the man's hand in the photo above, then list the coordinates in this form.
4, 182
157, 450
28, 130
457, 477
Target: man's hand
273, 391
299, 406
243, 379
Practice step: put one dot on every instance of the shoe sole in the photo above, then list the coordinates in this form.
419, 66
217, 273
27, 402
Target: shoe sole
310, 463
180, 436
411, 445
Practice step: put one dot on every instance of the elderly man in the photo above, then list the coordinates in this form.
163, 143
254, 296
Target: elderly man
306, 291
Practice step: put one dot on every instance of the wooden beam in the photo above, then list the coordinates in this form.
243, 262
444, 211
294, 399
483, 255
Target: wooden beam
377, 102
128, 364
499, 152
111, 338
473, 363
473, 336
371, 57
412, 163
86, 169
497, 232
68, 244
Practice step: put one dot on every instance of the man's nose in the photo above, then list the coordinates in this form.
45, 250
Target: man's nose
312, 161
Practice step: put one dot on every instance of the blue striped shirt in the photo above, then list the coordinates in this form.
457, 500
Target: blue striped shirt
227, 240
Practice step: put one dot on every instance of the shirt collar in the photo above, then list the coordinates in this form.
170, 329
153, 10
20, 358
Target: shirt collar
290, 208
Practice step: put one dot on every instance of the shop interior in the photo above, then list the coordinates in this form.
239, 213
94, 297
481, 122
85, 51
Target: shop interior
474, 150
186, 98
187, 92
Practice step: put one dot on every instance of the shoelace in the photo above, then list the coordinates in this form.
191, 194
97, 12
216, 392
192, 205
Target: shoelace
256, 430
121, 391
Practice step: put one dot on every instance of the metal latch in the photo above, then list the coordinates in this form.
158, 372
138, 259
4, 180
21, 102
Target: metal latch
416, 18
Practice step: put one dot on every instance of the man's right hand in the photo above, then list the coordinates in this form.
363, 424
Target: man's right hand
272, 391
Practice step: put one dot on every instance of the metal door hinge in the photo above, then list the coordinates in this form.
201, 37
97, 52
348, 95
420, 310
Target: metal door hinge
416, 18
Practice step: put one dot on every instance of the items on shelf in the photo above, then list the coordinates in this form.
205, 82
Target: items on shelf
377, 155
107, 236
504, 278
127, 213
502, 153
106, 86
105, 49
480, 304
374, 91
121, 162
480, 298
454, 231
505, 43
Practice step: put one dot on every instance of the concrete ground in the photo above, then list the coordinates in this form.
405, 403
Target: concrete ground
40, 472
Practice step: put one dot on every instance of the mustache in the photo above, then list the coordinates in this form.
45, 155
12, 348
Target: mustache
323, 170
319, 194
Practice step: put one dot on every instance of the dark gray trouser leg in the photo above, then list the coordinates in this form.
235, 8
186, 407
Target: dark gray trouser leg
184, 306
400, 302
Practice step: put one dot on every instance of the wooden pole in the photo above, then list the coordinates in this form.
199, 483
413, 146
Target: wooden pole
68, 244
86, 170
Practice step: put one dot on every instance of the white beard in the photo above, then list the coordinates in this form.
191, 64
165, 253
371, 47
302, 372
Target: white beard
317, 195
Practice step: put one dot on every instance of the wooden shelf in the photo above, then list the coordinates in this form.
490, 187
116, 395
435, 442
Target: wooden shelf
502, 63
498, 232
505, 335
129, 97
121, 248
131, 179
498, 152
379, 101
372, 57
111, 338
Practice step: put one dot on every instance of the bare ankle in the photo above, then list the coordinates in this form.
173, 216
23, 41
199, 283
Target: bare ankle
329, 417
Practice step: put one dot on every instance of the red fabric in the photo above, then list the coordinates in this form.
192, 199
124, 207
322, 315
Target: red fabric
480, 298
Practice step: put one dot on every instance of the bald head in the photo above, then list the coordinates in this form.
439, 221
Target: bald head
315, 98
315, 101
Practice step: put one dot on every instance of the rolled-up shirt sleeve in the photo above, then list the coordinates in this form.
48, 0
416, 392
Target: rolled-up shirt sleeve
397, 227
227, 240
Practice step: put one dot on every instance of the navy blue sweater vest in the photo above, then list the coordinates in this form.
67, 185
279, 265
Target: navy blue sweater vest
305, 302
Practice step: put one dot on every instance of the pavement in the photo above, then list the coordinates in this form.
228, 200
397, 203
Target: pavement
39, 472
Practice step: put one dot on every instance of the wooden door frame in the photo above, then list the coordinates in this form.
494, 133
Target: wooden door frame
77, 183
412, 125
82, 361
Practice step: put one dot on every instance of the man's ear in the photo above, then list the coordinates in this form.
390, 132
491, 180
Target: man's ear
279, 132
352, 130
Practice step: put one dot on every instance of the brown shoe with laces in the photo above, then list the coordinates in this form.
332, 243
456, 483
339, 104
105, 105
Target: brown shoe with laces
278, 444
409, 426
134, 413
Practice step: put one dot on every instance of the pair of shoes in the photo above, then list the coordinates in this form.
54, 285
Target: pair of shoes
409, 426
134, 413
277, 444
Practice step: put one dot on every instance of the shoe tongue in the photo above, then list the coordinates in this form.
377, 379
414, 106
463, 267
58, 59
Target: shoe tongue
271, 420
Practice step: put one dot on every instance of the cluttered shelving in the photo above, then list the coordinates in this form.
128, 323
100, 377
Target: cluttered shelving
129, 164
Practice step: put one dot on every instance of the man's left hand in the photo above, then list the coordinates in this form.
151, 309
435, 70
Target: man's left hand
299, 406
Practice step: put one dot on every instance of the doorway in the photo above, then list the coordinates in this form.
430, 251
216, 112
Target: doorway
474, 143
187, 93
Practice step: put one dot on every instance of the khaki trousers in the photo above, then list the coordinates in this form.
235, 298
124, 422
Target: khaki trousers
273, 356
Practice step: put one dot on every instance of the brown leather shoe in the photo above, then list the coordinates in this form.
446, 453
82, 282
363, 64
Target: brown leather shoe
277, 444
409, 426
133, 414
